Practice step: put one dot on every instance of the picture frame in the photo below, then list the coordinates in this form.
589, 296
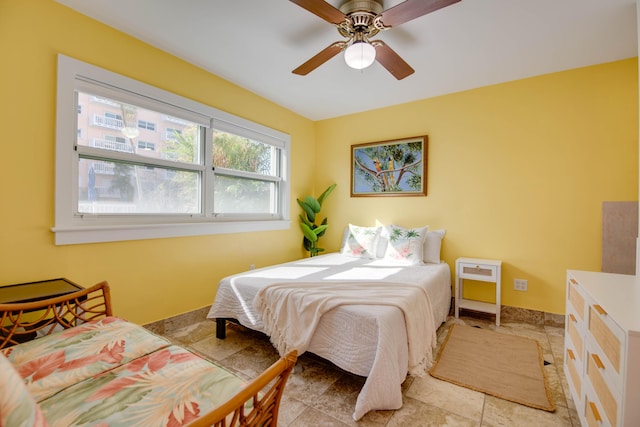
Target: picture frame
390, 168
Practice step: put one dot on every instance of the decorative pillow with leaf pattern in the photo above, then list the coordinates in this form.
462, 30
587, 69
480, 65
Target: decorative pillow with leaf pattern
405, 244
17, 407
361, 242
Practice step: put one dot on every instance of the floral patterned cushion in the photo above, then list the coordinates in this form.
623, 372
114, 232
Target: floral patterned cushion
361, 242
171, 386
54, 362
17, 407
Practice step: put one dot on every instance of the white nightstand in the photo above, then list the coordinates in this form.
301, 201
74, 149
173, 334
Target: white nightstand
484, 270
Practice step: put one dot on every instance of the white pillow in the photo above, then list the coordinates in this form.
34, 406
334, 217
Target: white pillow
433, 246
361, 242
406, 245
383, 241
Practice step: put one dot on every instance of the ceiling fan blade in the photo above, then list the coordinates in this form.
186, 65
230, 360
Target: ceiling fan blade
390, 60
325, 54
322, 9
411, 9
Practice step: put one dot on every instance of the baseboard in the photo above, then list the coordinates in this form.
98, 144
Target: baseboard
507, 314
520, 315
175, 323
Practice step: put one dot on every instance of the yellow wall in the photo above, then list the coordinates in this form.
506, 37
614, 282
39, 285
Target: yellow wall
150, 279
516, 171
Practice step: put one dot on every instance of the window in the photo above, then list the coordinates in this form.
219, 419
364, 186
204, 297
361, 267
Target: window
208, 172
144, 145
247, 173
173, 134
146, 125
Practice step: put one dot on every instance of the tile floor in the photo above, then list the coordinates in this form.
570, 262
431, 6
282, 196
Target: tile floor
320, 394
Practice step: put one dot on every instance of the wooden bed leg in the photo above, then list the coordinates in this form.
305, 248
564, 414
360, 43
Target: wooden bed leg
221, 328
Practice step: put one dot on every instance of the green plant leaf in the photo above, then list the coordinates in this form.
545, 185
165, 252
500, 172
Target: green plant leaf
318, 231
312, 203
325, 193
307, 244
324, 222
311, 215
303, 219
308, 232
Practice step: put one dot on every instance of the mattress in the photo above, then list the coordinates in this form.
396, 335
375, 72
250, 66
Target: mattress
367, 340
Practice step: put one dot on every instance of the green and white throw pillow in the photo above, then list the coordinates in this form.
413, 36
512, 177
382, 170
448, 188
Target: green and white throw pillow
406, 245
361, 242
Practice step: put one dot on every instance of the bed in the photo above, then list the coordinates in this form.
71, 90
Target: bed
368, 337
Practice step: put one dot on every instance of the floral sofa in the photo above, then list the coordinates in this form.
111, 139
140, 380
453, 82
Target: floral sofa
102, 370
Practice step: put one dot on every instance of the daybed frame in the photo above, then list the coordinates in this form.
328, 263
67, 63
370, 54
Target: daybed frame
24, 321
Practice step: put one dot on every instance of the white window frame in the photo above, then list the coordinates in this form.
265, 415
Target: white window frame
73, 228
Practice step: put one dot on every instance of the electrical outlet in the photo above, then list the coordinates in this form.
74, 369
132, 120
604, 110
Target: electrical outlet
520, 284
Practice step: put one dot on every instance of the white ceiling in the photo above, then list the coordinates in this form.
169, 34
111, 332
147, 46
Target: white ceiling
256, 43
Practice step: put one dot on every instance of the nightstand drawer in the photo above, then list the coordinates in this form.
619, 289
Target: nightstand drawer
485, 273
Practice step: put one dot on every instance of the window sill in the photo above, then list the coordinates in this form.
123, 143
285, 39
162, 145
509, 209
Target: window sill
117, 233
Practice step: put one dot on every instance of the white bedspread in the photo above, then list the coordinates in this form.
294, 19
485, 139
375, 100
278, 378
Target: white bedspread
367, 340
292, 311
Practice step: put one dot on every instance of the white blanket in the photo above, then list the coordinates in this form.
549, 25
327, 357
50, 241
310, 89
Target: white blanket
291, 312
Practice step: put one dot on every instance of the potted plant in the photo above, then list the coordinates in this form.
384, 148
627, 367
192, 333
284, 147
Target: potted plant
312, 232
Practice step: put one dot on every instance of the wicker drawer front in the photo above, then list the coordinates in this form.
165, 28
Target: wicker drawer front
575, 298
608, 397
607, 334
477, 272
574, 368
592, 414
575, 335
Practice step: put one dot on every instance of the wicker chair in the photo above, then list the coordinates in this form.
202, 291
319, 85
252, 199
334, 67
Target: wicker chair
20, 322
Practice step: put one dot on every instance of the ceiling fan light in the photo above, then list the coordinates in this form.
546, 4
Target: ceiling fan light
359, 55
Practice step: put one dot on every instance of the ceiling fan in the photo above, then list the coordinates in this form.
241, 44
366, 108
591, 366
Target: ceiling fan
358, 21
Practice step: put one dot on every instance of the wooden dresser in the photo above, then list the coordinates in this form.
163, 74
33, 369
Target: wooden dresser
602, 347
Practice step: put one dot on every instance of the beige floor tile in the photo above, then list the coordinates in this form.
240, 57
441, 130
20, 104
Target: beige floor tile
311, 379
417, 413
290, 409
196, 332
502, 413
252, 361
312, 417
450, 397
238, 338
339, 401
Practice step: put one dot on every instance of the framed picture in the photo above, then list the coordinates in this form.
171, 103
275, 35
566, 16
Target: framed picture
390, 168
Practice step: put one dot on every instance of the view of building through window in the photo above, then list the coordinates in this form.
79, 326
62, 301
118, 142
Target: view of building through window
141, 161
123, 171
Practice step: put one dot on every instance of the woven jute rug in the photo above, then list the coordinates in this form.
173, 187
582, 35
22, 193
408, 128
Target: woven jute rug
506, 366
